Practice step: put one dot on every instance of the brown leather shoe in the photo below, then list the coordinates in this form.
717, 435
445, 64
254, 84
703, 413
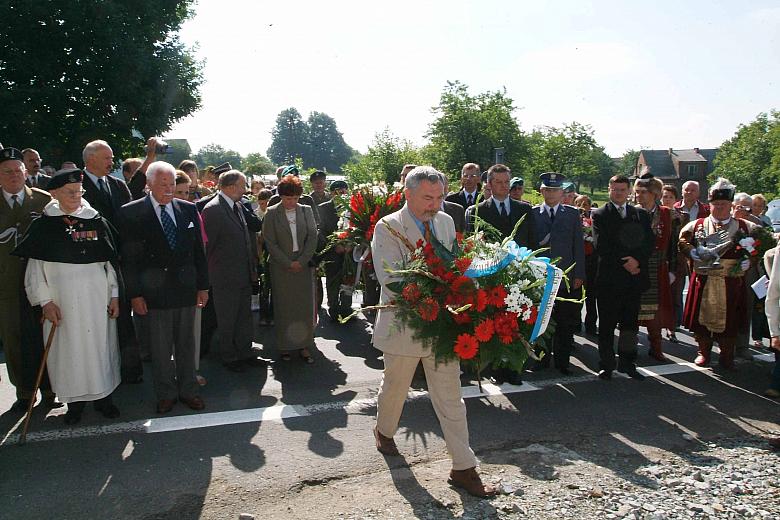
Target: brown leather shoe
468, 479
165, 405
385, 445
195, 403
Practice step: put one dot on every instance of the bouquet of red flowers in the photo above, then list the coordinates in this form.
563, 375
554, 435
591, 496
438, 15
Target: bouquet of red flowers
755, 245
363, 209
482, 303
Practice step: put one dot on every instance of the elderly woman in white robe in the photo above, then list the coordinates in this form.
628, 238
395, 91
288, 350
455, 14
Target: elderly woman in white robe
69, 274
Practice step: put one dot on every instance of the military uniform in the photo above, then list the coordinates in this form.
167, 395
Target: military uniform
15, 310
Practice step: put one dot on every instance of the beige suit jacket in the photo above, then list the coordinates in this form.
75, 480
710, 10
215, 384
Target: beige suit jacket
387, 251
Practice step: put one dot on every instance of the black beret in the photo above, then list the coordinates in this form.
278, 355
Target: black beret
319, 174
222, 168
336, 185
10, 154
63, 177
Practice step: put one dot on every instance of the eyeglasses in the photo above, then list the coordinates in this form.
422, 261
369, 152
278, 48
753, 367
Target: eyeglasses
73, 193
471, 175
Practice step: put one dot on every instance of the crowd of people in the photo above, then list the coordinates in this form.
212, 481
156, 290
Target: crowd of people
152, 266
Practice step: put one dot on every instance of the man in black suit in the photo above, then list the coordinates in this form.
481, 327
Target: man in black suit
166, 276
623, 240
469, 180
502, 212
457, 213
339, 302
107, 195
35, 176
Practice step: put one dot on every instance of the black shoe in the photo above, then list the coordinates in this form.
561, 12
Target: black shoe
20, 406
108, 411
514, 379
51, 402
256, 362
606, 375
235, 366
633, 374
72, 417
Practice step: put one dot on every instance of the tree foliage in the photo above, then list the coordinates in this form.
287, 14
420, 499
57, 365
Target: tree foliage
384, 160
316, 141
257, 164
751, 159
469, 128
215, 154
627, 163
571, 150
75, 71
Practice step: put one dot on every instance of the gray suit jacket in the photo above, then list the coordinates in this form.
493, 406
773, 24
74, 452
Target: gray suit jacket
230, 250
564, 237
387, 250
278, 238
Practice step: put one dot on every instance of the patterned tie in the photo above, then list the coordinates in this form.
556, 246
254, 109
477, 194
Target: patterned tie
169, 228
502, 210
552, 215
428, 234
15, 204
468, 199
622, 211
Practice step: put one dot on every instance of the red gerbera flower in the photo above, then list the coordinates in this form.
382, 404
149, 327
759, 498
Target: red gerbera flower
496, 296
462, 318
466, 346
506, 340
534, 313
482, 300
484, 331
462, 285
428, 309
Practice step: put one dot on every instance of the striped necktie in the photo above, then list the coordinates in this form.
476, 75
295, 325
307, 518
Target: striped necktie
169, 228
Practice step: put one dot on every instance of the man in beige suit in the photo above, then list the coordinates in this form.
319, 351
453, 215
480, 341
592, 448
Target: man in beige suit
418, 219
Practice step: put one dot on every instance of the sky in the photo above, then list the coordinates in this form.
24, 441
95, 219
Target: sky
657, 75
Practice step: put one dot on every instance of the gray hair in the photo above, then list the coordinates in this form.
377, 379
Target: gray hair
230, 177
92, 147
690, 183
424, 173
743, 196
158, 167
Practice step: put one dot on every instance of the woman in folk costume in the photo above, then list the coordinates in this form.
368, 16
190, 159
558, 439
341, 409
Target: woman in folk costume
70, 275
656, 311
716, 307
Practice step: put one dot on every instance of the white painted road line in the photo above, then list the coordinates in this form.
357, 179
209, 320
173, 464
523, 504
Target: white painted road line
281, 412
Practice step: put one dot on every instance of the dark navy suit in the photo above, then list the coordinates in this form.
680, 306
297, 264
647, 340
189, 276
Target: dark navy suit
564, 237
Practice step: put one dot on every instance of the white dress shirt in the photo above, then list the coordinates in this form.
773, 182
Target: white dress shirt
168, 209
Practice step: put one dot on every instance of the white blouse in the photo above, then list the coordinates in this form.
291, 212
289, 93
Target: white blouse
291, 219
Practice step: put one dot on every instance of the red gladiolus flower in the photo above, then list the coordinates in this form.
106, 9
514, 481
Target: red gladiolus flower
412, 293
467, 346
420, 243
462, 264
343, 235
505, 323
484, 331
428, 309
459, 237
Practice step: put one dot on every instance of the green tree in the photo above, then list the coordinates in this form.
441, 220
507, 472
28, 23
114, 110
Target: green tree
627, 163
257, 164
751, 159
571, 150
326, 146
181, 151
290, 137
77, 70
215, 154
384, 160
469, 128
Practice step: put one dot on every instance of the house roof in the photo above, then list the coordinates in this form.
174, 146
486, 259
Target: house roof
661, 164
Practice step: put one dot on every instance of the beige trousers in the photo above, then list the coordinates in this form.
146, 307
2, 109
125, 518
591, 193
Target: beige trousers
444, 389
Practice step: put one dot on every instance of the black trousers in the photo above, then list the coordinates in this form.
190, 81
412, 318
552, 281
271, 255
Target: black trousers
78, 406
567, 321
618, 309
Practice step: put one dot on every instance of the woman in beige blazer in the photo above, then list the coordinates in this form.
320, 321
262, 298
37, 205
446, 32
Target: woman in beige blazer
290, 234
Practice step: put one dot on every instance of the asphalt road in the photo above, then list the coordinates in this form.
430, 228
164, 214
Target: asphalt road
267, 434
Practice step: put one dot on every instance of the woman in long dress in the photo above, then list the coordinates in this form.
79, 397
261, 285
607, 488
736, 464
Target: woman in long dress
69, 274
290, 235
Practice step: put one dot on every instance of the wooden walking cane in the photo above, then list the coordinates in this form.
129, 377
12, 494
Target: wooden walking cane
23, 436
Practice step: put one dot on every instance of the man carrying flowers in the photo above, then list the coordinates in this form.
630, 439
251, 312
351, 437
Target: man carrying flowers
419, 219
